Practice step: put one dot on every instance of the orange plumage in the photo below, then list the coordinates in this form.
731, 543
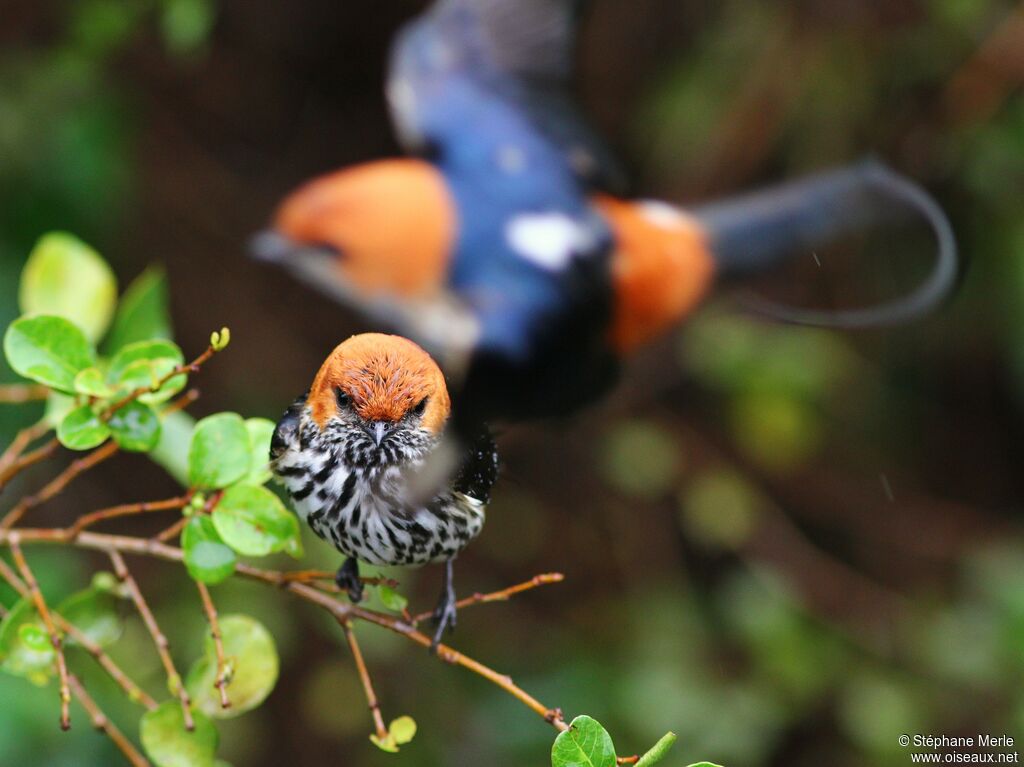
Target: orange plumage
385, 377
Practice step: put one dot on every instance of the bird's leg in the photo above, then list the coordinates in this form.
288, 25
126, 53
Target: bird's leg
348, 579
445, 613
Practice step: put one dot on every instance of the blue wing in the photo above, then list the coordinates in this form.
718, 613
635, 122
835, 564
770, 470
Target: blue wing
521, 53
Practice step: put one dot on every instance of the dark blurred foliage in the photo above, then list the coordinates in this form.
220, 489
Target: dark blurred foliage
789, 546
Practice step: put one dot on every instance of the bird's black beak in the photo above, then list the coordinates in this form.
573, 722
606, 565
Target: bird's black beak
378, 430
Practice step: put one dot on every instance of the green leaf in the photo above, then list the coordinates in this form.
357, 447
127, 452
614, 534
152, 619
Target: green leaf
20, 657
50, 350
585, 744
92, 383
219, 453
136, 427
143, 364
261, 430
400, 732
207, 558
253, 521
403, 730
252, 663
169, 744
659, 751
95, 612
142, 314
65, 277
171, 452
391, 599
82, 429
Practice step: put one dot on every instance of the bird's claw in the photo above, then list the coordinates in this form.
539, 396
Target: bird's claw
348, 580
444, 618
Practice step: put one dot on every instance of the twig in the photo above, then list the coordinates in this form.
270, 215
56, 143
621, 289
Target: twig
187, 368
44, 613
173, 677
312, 576
171, 532
499, 596
20, 443
17, 464
112, 544
58, 483
364, 677
102, 723
17, 394
135, 693
221, 681
128, 509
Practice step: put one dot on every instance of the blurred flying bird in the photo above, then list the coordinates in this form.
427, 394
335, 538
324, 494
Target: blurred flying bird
374, 412
502, 247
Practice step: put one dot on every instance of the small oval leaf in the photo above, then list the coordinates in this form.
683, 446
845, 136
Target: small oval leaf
135, 427
253, 521
82, 429
254, 665
142, 365
91, 383
65, 277
169, 744
403, 730
95, 612
585, 744
207, 557
47, 349
218, 455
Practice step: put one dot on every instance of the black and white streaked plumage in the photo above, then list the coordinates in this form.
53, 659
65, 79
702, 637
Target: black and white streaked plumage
346, 450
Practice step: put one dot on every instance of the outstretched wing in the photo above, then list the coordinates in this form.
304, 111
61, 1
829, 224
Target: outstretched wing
520, 53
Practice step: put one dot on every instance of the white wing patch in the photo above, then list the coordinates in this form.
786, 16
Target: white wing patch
549, 240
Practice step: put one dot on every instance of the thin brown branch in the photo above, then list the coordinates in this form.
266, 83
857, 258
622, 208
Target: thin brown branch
627, 760
102, 723
341, 610
174, 680
221, 681
132, 690
171, 532
44, 613
17, 463
18, 394
186, 369
58, 483
364, 677
499, 596
20, 444
128, 509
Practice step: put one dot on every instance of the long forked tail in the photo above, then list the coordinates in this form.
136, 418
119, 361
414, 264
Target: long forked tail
755, 232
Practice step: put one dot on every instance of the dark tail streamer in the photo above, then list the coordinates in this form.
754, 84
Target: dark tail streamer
756, 232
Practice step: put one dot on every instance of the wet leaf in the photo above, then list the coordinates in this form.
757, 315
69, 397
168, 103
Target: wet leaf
207, 557
47, 349
65, 277
135, 427
169, 744
82, 429
219, 454
253, 665
253, 521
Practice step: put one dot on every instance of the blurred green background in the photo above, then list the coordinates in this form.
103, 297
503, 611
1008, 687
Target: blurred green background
789, 546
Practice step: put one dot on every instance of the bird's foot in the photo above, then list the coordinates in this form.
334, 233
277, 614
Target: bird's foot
446, 611
348, 580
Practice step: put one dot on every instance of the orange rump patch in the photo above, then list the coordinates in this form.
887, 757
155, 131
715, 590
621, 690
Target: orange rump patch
392, 222
661, 268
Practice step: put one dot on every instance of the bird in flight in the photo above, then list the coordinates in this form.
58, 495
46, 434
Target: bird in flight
375, 412
502, 245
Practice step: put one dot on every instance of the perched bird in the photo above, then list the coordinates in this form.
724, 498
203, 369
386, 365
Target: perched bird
502, 248
375, 411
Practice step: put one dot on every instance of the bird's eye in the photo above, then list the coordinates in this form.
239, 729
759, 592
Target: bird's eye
420, 407
344, 400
